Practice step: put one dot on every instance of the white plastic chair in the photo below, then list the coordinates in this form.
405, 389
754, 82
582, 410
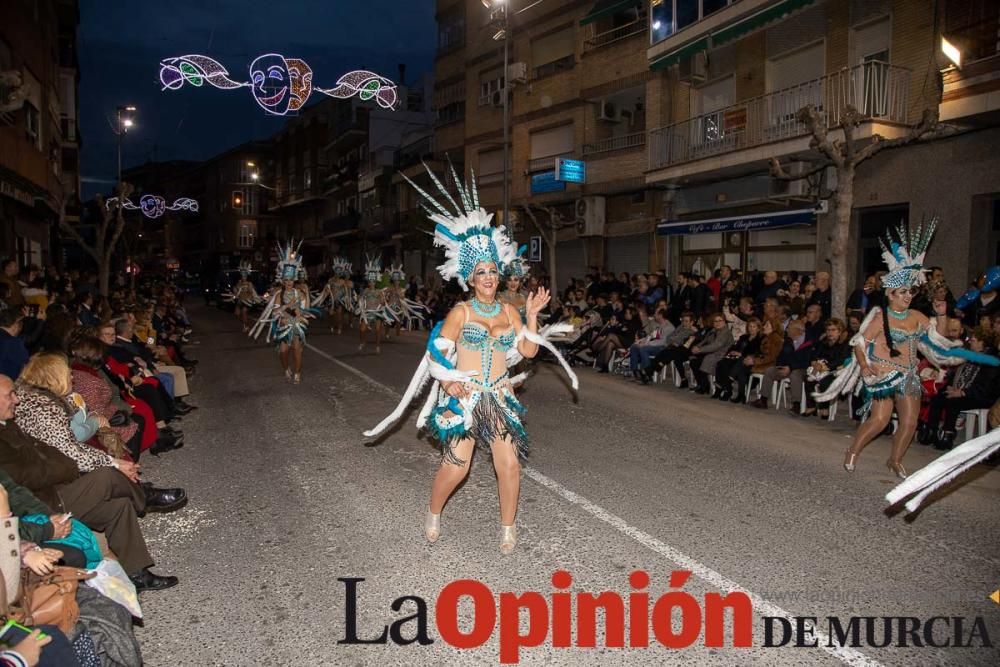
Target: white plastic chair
780, 392
759, 379
976, 423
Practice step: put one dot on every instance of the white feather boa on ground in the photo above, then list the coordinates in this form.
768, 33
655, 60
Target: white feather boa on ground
944, 469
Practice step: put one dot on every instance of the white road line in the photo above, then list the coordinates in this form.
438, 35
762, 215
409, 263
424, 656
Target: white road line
761, 606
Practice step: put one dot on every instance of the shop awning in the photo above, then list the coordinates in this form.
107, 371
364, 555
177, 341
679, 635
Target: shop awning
679, 54
727, 33
740, 223
604, 8
758, 19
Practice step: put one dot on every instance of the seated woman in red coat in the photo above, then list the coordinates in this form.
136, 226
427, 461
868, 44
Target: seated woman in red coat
142, 393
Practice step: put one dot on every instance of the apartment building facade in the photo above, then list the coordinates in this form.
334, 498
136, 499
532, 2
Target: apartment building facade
676, 108
580, 89
39, 136
740, 72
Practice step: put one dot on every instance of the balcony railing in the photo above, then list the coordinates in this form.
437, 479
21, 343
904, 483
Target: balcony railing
877, 90
615, 143
617, 34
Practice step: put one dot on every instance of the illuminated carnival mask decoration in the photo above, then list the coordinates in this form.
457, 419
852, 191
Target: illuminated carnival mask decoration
396, 274
153, 206
279, 85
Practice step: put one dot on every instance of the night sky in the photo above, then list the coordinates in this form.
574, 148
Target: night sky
121, 44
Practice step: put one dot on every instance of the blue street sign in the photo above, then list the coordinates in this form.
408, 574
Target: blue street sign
535, 249
545, 181
571, 171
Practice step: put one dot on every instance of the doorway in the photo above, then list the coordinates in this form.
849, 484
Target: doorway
873, 224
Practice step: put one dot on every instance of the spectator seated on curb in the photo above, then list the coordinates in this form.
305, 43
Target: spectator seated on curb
104, 498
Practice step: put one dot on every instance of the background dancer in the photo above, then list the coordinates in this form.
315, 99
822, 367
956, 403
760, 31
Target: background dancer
287, 314
885, 351
371, 309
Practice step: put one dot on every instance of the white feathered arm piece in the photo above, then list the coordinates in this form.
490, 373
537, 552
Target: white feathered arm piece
847, 376
944, 469
266, 317
542, 339
438, 364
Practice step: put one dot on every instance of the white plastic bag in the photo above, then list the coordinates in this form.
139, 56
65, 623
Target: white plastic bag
112, 582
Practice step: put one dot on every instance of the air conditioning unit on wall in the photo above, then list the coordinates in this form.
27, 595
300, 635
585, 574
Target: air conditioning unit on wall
497, 97
797, 189
694, 69
590, 216
608, 112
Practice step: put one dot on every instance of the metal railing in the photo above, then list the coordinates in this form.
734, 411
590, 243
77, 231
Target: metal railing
633, 140
877, 90
617, 34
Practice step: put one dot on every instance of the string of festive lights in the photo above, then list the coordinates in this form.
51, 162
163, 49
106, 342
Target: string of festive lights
279, 85
154, 206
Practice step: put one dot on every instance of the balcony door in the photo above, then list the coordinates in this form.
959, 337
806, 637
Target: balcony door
707, 104
870, 76
795, 80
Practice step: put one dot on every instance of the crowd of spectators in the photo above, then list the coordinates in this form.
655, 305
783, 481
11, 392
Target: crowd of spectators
718, 335
88, 383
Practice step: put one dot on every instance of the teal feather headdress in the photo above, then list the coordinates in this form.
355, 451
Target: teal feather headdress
466, 233
904, 256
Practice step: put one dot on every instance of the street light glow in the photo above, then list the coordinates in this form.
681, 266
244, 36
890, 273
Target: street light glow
127, 122
130, 107
250, 163
254, 176
951, 52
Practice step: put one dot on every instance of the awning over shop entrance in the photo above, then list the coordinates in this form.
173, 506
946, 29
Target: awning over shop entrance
742, 223
604, 8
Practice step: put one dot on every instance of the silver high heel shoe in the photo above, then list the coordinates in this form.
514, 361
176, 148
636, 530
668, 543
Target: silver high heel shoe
432, 527
508, 539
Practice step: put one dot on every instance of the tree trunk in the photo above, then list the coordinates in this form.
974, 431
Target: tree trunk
843, 205
104, 275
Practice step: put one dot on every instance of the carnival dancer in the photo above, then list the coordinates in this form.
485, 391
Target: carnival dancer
402, 310
885, 351
287, 313
472, 404
338, 293
244, 295
371, 307
514, 294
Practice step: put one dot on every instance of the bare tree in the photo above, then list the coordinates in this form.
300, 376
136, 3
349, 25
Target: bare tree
844, 155
549, 231
109, 231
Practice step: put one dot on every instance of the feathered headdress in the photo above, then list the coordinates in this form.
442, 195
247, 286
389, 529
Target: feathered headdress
519, 268
396, 273
245, 268
373, 269
904, 257
289, 261
467, 234
342, 267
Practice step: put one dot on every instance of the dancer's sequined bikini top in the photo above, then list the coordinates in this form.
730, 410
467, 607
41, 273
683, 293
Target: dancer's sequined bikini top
477, 338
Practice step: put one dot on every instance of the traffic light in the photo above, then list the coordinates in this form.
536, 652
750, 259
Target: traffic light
237, 199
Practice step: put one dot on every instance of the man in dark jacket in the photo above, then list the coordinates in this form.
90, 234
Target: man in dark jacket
104, 499
13, 352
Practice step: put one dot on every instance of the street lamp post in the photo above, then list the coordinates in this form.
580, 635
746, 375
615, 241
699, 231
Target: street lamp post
124, 122
500, 15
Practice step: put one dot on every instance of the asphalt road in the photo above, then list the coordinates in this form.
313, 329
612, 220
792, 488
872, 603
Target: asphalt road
286, 498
